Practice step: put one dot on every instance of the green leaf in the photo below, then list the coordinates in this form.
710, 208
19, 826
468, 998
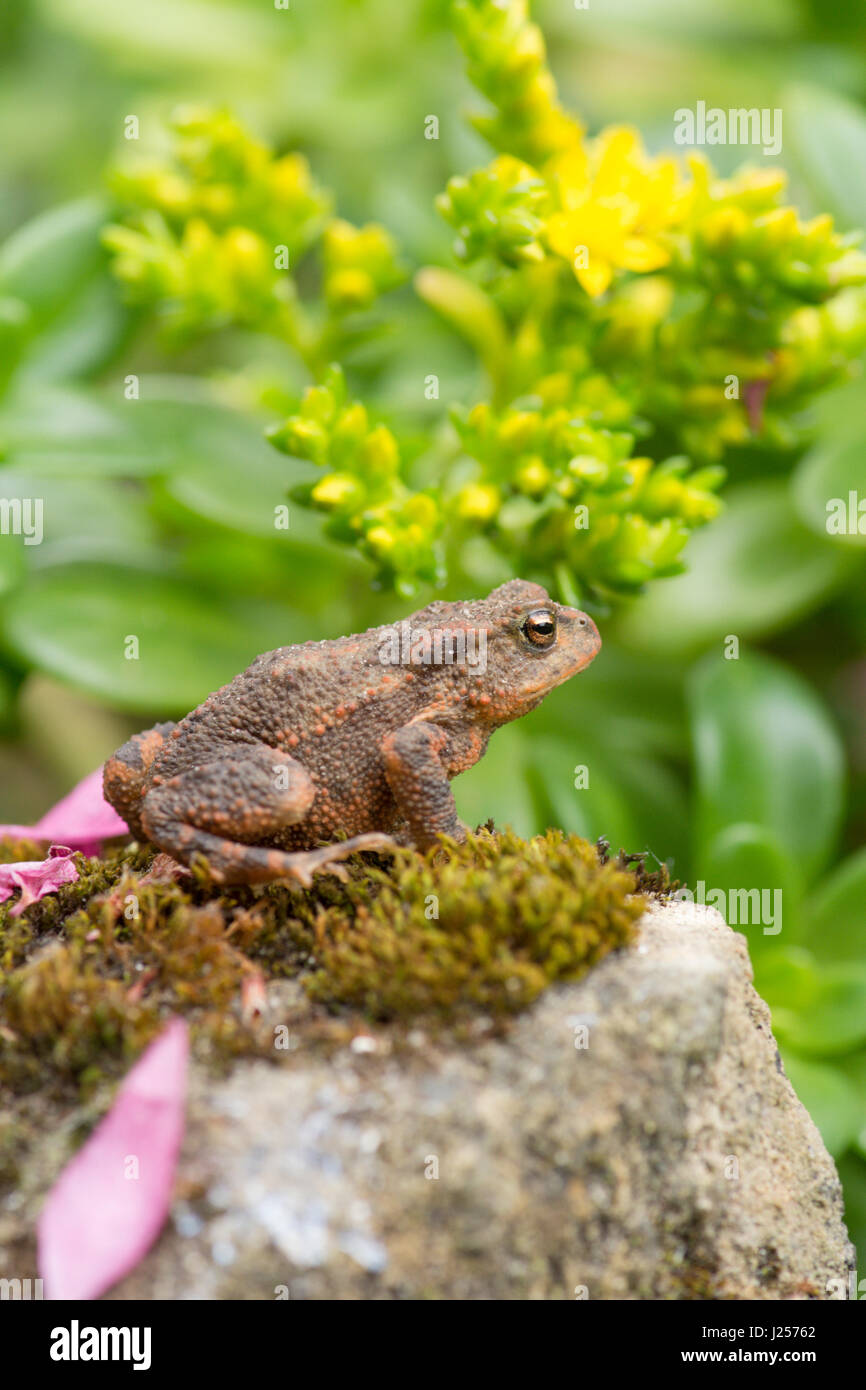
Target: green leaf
601, 808
79, 461
836, 914
657, 805
830, 1099
787, 977
697, 28
754, 570
14, 325
219, 466
8, 715
852, 1172
80, 520
854, 1069
82, 338
12, 563
822, 488
760, 881
177, 33
631, 701
833, 1020
216, 464
623, 720
74, 624
497, 786
827, 137
47, 259
72, 432
56, 266
766, 753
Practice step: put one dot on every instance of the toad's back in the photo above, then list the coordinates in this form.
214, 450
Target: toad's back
323, 703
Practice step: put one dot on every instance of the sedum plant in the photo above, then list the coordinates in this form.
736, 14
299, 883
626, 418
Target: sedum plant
213, 235
638, 317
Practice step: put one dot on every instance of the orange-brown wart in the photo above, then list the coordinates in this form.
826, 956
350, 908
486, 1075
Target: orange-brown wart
379, 732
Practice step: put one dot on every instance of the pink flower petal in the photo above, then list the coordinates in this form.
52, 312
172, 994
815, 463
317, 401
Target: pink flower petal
17, 832
82, 815
83, 819
111, 1200
35, 878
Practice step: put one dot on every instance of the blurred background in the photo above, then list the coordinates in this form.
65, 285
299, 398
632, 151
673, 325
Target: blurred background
159, 524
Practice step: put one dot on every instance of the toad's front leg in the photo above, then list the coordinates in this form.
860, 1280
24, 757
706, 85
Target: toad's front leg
419, 781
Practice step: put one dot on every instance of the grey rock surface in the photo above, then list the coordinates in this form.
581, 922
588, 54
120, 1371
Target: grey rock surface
634, 1136
631, 1136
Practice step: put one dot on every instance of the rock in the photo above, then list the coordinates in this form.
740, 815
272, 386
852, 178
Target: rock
633, 1136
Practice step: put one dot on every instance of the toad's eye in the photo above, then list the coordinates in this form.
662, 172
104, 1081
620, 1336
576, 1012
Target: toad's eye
539, 628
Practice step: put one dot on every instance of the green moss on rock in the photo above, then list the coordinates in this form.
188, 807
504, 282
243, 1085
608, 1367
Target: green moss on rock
88, 975
486, 928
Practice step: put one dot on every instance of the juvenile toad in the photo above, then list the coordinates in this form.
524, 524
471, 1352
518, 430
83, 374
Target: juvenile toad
360, 735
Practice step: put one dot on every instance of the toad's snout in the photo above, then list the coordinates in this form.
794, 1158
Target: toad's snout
582, 635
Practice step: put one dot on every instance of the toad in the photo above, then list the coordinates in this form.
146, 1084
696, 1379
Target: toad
358, 736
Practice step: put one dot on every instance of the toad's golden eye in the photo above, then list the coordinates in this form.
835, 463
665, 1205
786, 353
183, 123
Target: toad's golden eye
539, 628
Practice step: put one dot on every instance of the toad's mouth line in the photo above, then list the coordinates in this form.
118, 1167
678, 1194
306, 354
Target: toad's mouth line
543, 688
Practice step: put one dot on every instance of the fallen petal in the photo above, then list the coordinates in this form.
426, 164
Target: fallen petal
83, 819
135, 993
111, 1200
254, 997
35, 878
17, 832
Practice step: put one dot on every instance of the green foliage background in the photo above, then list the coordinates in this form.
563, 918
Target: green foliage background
159, 515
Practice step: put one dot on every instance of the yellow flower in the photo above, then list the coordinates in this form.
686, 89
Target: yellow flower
616, 204
478, 502
336, 490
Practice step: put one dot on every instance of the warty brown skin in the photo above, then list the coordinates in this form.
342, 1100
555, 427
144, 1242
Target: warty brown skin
323, 738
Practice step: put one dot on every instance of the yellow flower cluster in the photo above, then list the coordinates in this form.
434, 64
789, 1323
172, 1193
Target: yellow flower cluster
366, 500
507, 61
605, 205
360, 264
215, 233
586, 245
626, 304
615, 207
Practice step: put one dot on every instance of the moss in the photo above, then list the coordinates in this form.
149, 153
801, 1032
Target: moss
89, 974
486, 927
20, 851
654, 882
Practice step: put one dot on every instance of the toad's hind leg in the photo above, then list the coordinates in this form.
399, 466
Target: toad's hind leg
127, 771
222, 808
